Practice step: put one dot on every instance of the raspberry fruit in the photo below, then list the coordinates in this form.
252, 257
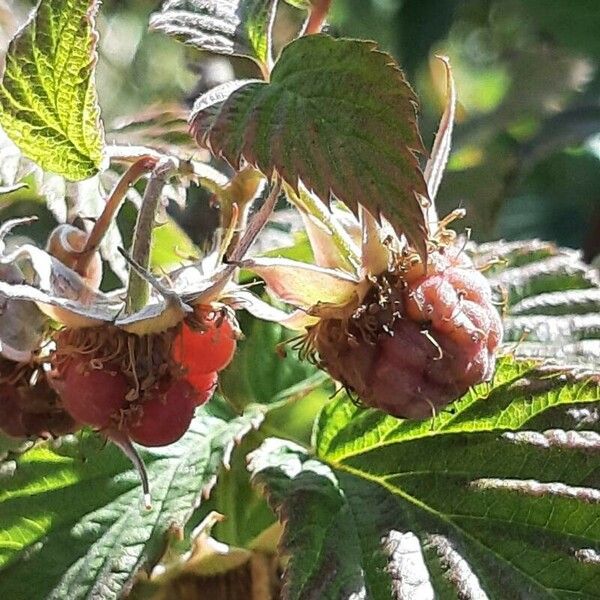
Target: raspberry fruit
207, 342
419, 340
94, 395
128, 386
164, 414
204, 385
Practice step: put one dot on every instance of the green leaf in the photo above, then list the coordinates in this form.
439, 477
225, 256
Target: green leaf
260, 373
170, 244
246, 513
303, 125
489, 499
72, 524
560, 303
241, 27
48, 100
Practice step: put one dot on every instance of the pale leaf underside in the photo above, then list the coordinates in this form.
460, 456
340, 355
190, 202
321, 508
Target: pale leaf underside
241, 27
550, 297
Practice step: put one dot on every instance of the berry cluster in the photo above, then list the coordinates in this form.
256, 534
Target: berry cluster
29, 407
144, 387
422, 337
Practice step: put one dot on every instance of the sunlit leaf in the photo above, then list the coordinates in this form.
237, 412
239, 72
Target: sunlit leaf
495, 498
240, 27
73, 524
302, 125
48, 99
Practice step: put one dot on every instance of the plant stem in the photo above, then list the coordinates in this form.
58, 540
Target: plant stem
317, 16
138, 291
256, 224
129, 178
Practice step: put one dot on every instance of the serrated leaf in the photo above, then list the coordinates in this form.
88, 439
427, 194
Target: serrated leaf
241, 27
550, 296
565, 271
486, 500
302, 125
71, 518
48, 99
560, 303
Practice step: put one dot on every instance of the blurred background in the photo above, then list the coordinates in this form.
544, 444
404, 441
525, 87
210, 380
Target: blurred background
526, 155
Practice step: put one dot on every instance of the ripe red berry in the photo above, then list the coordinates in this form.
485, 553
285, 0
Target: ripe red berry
204, 385
164, 413
208, 347
90, 395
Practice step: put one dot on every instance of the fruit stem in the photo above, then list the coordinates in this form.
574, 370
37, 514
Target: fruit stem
129, 178
257, 223
138, 290
317, 16
126, 446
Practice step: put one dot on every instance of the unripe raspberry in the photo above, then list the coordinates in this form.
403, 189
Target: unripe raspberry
420, 339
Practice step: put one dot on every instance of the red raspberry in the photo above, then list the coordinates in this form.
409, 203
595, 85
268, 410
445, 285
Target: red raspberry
207, 344
419, 341
165, 413
94, 396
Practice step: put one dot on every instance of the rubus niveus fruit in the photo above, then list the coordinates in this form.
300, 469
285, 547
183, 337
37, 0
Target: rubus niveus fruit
207, 340
118, 382
418, 340
147, 386
165, 413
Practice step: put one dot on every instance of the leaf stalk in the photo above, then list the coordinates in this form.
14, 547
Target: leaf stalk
317, 16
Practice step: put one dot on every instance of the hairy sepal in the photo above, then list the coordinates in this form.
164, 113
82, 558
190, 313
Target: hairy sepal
302, 284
